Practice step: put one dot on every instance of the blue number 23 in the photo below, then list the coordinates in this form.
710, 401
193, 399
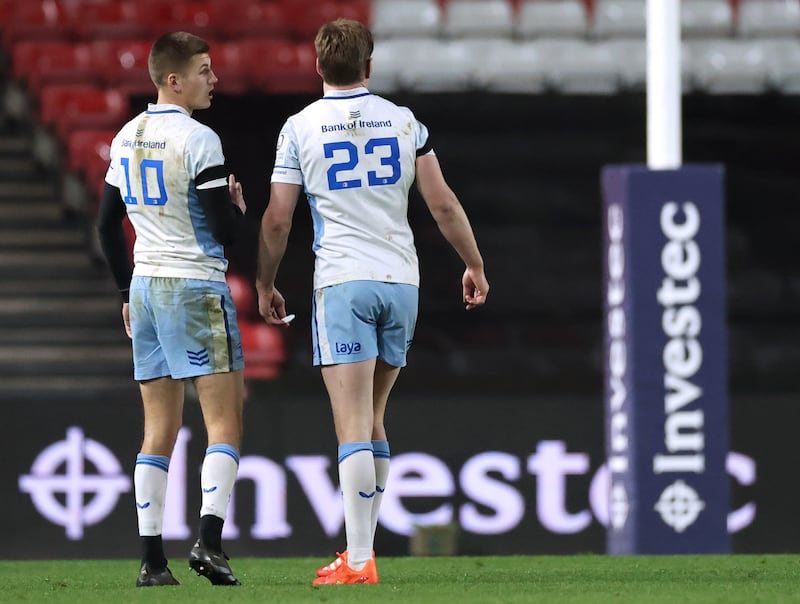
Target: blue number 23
390, 158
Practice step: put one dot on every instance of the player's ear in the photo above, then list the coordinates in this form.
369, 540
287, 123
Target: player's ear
319, 71
173, 82
368, 69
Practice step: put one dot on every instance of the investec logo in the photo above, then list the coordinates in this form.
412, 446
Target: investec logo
617, 370
684, 442
77, 482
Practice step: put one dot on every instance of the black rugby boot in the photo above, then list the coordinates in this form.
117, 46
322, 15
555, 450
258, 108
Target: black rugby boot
211, 565
149, 577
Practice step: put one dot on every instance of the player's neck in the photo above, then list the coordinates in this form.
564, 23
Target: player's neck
168, 99
328, 87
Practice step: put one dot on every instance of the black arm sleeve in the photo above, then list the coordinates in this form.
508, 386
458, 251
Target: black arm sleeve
223, 217
112, 237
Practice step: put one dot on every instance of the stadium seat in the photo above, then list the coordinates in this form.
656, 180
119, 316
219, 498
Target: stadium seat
551, 18
7, 8
783, 63
123, 64
630, 57
406, 18
624, 18
38, 63
238, 19
124, 19
87, 149
485, 19
308, 15
769, 18
512, 67
727, 66
69, 107
388, 60
194, 16
263, 345
45, 20
264, 350
442, 66
706, 18
244, 297
231, 67
281, 66
580, 67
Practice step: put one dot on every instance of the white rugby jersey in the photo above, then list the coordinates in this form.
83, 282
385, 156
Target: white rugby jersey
154, 160
355, 154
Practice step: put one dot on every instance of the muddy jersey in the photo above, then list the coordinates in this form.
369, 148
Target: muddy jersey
155, 159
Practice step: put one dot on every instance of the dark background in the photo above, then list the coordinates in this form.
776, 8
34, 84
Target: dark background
528, 366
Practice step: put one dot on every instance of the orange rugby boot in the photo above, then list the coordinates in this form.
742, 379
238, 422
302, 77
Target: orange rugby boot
344, 575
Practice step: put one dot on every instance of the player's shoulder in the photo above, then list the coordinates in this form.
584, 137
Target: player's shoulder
389, 105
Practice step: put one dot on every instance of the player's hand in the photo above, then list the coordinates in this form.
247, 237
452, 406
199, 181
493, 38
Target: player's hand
126, 319
237, 197
475, 288
271, 305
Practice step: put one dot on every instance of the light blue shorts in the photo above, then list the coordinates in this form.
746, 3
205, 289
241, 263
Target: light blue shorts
361, 320
183, 328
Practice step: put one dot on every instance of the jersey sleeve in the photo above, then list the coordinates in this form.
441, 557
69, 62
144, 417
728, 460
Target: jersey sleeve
114, 175
203, 151
423, 139
287, 157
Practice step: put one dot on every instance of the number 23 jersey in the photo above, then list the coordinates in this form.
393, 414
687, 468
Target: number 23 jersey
155, 159
354, 153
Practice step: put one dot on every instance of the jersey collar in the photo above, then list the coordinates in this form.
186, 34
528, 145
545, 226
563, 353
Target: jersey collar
153, 108
350, 93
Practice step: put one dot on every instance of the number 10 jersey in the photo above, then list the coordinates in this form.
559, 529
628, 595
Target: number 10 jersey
155, 159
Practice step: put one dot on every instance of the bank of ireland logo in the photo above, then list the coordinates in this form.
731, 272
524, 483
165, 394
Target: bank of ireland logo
679, 506
65, 490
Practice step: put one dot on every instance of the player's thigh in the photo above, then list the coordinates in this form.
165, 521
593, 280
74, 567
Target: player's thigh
197, 327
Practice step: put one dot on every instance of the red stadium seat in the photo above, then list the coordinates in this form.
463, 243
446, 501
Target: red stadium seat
282, 67
264, 350
89, 149
69, 107
7, 8
309, 15
263, 345
231, 67
194, 16
38, 63
244, 297
238, 19
123, 64
101, 20
45, 20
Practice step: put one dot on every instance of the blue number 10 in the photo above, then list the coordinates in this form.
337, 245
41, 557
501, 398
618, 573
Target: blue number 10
146, 167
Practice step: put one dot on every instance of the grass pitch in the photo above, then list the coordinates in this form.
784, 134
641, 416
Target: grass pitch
768, 579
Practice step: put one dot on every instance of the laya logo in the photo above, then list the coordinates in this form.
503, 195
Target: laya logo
347, 347
62, 497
